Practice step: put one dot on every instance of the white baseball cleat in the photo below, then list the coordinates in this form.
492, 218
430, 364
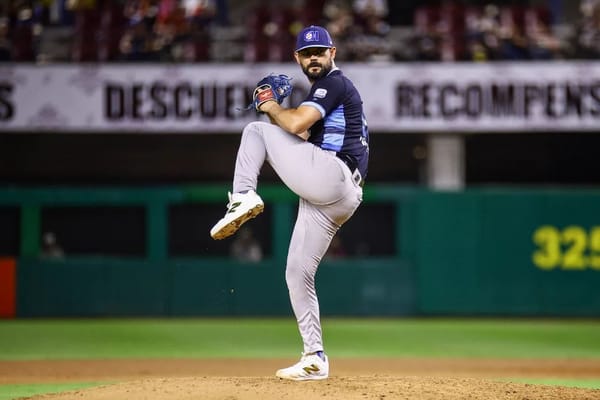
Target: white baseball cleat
241, 208
311, 367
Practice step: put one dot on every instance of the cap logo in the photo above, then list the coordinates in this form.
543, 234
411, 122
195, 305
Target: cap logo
311, 36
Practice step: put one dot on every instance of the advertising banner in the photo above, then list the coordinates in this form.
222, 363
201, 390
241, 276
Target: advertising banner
202, 98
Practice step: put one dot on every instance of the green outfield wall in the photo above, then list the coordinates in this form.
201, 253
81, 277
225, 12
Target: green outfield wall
494, 251
509, 252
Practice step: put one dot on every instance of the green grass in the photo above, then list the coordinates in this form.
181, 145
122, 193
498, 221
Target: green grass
576, 383
247, 338
40, 339
468, 338
9, 392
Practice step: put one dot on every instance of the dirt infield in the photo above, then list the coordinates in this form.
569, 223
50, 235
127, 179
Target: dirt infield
229, 379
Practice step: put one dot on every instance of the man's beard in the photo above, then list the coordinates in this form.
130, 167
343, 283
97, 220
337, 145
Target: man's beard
313, 76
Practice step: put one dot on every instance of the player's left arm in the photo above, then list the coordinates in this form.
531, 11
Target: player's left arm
293, 120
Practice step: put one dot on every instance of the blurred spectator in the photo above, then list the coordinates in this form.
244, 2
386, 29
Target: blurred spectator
197, 44
426, 40
489, 26
139, 42
271, 29
543, 44
475, 50
370, 42
23, 30
451, 32
201, 15
5, 42
339, 19
197, 30
359, 29
50, 246
587, 38
245, 246
377, 8
340, 24
371, 16
59, 13
513, 42
170, 31
525, 33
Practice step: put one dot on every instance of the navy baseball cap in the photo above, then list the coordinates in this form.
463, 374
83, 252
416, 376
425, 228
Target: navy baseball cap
313, 36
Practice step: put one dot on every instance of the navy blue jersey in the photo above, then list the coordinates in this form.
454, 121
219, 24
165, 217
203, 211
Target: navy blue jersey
343, 127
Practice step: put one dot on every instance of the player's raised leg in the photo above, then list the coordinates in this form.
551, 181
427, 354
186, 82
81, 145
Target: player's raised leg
244, 203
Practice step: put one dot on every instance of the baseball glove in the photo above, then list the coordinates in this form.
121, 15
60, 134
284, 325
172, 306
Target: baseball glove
271, 88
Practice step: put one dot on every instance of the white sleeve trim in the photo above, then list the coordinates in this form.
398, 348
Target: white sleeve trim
315, 105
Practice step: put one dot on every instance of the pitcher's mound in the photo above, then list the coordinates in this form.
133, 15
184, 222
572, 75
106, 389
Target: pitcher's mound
380, 387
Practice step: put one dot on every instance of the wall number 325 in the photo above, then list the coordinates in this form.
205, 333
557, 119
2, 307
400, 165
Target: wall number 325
572, 247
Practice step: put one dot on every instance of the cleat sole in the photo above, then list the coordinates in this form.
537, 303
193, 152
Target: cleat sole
234, 225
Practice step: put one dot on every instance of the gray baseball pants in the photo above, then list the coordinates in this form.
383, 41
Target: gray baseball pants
328, 197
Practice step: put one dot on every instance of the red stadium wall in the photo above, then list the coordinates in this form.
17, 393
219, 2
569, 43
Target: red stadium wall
8, 287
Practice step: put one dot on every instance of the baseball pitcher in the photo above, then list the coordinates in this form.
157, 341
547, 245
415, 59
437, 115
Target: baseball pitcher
320, 150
